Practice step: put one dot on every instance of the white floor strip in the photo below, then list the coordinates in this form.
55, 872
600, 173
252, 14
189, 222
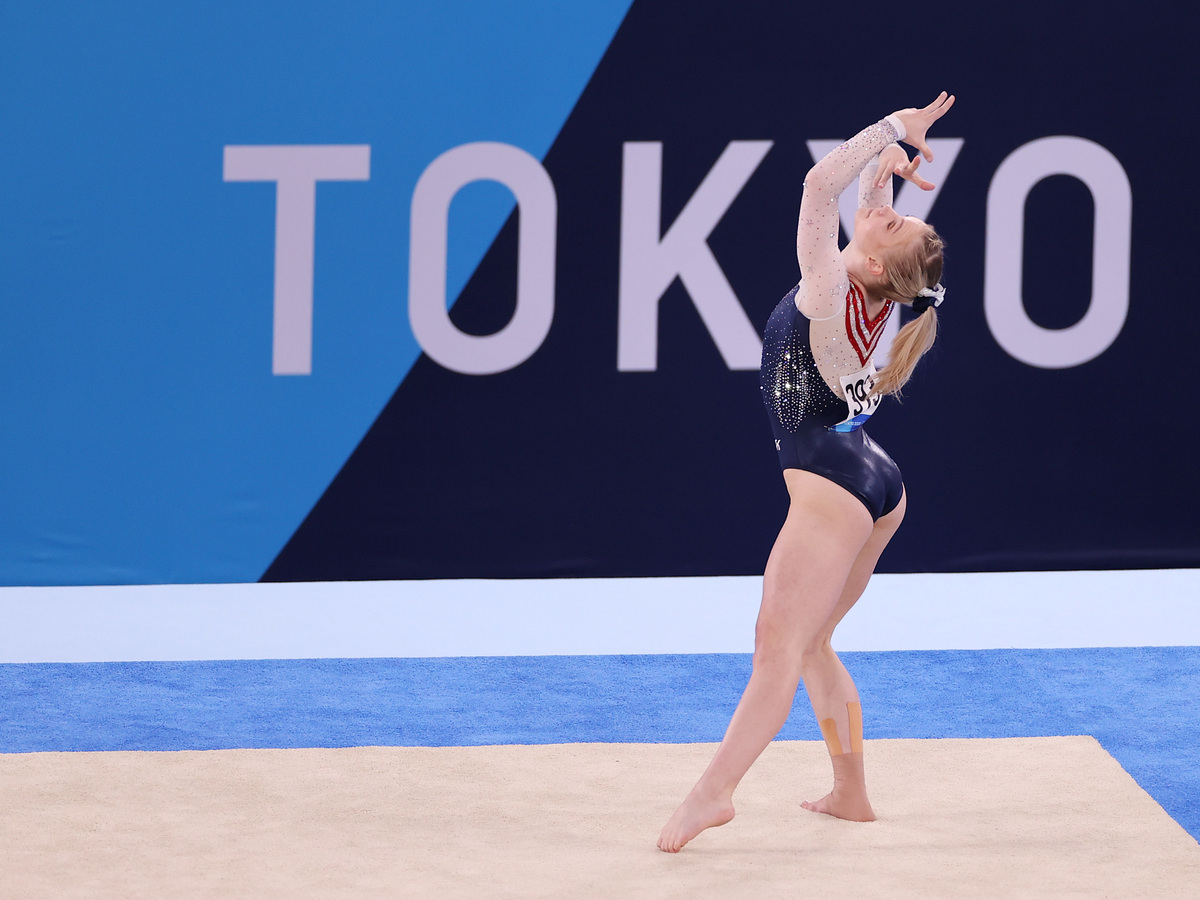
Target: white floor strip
583, 616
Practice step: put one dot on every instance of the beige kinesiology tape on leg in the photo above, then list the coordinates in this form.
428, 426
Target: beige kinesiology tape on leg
855, 711
830, 733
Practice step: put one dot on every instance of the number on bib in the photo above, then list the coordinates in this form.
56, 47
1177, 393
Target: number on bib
860, 397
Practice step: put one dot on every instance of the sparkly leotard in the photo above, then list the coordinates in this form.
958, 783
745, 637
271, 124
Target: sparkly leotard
816, 375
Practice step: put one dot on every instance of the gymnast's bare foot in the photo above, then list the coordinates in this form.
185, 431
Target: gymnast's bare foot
848, 799
695, 814
853, 808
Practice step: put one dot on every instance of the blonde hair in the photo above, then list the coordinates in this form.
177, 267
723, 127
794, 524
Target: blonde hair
905, 276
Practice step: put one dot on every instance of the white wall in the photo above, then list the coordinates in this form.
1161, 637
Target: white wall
582, 616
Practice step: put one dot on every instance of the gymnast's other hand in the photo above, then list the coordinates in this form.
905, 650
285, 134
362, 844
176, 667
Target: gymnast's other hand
917, 122
894, 161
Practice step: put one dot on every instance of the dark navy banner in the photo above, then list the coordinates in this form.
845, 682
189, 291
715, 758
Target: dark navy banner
264, 316
1048, 430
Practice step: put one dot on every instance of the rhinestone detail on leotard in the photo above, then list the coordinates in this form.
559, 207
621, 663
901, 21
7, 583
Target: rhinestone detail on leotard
789, 379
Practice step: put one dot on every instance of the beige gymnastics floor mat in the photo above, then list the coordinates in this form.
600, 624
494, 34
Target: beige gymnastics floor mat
1027, 817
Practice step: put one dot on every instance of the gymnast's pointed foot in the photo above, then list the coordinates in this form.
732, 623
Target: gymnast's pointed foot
695, 814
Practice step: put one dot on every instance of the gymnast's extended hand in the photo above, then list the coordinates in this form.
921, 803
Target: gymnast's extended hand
894, 161
917, 121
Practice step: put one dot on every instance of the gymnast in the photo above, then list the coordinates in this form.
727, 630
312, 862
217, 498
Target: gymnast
847, 498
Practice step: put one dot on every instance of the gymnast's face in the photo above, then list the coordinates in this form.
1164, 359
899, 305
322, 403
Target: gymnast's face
880, 231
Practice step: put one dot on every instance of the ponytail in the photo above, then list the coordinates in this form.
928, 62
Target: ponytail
908, 277
907, 349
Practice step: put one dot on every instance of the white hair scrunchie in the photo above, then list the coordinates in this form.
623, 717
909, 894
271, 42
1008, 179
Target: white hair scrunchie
927, 297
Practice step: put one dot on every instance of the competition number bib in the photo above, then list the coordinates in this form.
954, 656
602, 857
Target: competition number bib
859, 397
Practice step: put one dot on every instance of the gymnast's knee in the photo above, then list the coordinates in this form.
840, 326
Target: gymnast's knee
776, 649
817, 654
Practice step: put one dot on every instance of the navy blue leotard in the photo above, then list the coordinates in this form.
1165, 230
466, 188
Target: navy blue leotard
814, 429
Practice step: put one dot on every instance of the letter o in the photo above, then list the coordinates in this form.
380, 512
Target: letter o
428, 238
1105, 178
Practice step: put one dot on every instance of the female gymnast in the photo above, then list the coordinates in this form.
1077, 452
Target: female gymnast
846, 495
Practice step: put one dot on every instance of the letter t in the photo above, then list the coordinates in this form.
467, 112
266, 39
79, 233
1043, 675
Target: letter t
295, 169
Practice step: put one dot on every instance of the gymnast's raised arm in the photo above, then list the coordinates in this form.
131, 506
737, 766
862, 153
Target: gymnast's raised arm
823, 278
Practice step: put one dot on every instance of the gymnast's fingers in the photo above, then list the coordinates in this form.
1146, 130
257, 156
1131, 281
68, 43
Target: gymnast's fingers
909, 173
941, 106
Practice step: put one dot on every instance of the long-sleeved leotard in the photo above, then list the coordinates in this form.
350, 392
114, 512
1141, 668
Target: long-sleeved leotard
833, 343
816, 374
824, 281
842, 337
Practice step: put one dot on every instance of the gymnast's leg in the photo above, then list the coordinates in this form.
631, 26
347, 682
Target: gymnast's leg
806, 576
833, 695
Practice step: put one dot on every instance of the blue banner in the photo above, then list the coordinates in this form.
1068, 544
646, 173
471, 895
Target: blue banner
466, 289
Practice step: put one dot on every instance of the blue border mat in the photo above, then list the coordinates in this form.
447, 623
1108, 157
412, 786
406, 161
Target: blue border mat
1142, 704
